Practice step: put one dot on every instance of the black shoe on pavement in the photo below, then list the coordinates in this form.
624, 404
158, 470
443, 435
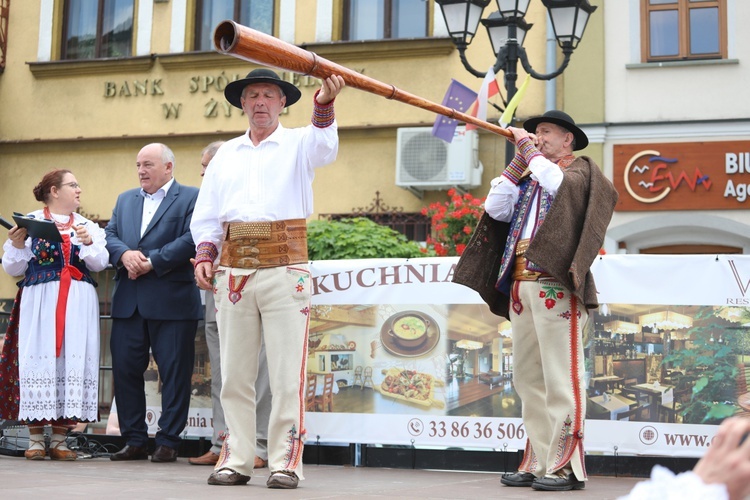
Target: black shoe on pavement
558, 482
518, 479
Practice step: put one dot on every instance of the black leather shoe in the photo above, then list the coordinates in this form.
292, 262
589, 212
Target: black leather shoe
164, 454
518, 479
558, 482
131, 453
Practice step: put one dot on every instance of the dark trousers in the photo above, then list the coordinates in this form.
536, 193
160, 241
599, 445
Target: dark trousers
172, 344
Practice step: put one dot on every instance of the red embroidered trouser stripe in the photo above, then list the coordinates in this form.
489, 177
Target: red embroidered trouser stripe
548, 374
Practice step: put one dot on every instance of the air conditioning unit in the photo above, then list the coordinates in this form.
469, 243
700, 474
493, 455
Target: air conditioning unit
428, 163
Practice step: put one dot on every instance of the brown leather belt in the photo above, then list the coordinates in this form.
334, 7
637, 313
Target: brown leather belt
255, 245
520, 273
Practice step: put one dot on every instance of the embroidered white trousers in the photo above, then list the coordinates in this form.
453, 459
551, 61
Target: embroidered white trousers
547, 326
275, 303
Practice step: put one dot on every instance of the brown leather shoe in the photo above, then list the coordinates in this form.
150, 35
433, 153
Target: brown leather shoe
58, 449
209, 458
34, 454
164, 454
64, 455
130, 453
259, 463
283, 479
230, 478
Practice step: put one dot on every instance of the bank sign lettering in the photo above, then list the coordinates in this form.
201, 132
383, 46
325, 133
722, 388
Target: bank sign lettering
682, 176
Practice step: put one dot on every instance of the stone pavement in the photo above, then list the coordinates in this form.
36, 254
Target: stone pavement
99, 478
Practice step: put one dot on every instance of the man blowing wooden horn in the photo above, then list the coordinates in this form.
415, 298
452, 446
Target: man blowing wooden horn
529, 259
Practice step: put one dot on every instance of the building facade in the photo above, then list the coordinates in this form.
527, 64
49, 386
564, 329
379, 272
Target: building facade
84, 89
677, 131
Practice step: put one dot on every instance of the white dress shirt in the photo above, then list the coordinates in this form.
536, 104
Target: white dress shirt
503, 194
268, 182
151, 203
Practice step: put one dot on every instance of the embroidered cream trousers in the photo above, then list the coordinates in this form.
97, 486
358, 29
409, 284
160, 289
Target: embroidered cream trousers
548, 365
275, 303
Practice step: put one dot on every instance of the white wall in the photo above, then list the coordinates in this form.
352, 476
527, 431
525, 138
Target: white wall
703, 90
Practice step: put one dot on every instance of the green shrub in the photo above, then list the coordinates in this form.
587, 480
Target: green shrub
357, 238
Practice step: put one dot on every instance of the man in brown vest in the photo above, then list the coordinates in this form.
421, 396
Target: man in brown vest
548, 214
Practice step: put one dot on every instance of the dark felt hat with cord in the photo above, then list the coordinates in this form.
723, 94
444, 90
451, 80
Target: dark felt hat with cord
233, 91
563, 120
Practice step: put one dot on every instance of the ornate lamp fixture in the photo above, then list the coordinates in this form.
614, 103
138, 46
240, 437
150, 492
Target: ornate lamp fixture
507, 29
666, 320
469, 345
619, 326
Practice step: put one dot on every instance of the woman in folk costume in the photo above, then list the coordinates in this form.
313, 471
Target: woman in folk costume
49, 369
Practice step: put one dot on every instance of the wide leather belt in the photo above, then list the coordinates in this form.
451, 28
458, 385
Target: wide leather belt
256, 245
520, 273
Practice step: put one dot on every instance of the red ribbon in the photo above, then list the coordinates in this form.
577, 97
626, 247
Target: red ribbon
67, 273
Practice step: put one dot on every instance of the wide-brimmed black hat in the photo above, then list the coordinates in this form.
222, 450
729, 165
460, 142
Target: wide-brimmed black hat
233, 91
562, 119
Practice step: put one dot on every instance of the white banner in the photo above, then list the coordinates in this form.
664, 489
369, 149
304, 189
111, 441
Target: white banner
420, 360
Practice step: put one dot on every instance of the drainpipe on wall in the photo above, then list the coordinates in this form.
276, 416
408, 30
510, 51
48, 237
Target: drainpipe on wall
550, 91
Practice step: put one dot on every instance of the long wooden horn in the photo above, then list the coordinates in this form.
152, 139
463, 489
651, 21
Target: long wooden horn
251, 45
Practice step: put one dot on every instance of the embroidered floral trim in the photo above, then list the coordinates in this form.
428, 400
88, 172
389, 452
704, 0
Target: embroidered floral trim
515, 298
294, 447
206, 252
225, 453
528, 188
565, 446
323, 114
530, 463
551, 294
235, 288
45, 252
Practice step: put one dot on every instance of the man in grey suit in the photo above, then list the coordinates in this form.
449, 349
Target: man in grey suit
156, 305
262, 385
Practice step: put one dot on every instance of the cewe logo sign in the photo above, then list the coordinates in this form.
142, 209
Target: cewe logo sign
682, 176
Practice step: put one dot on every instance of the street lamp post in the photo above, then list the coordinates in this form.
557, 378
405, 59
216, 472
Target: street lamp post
507, 29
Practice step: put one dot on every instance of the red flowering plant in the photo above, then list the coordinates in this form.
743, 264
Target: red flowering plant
453, 223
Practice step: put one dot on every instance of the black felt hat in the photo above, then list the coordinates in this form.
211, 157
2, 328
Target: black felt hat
562, 119
233, 91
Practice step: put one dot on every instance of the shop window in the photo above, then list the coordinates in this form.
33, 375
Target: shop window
256, 14
95, 29
381, 19
676, 30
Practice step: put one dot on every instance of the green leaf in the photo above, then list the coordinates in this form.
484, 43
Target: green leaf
720, 412
700, 384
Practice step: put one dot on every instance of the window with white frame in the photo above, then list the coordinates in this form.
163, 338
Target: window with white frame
676, 30
95, 29
382, 19
256, 14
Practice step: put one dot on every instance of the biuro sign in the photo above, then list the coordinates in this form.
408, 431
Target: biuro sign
683, 176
